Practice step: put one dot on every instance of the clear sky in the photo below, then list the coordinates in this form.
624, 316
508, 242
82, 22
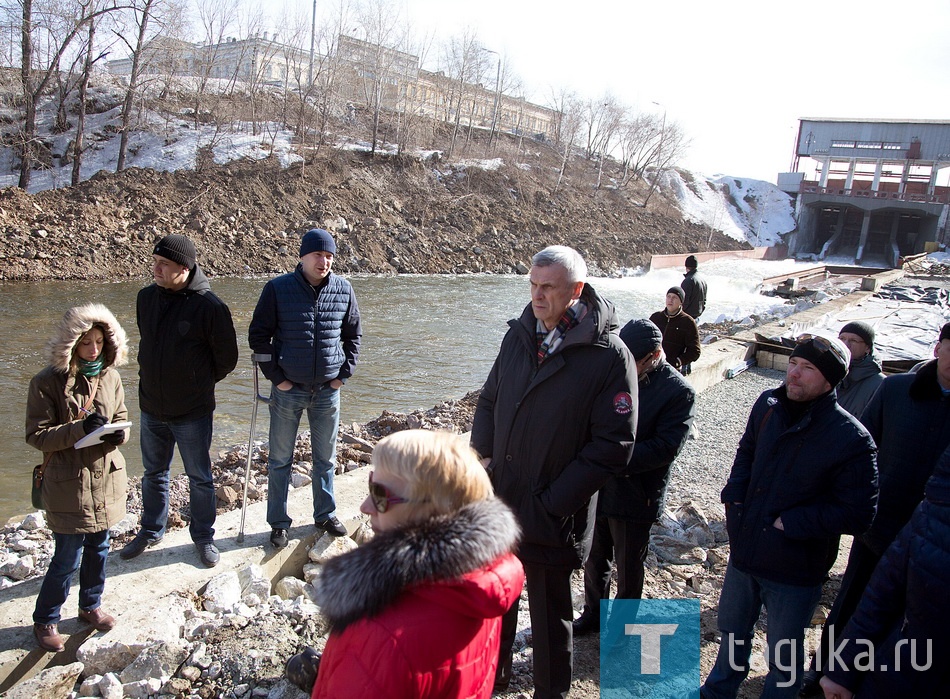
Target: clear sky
737, 76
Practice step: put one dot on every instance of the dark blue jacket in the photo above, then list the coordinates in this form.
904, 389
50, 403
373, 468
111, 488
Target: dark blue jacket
818, 475
312, 333
556, 433
187, 345
909, 418
905, 607
667, 405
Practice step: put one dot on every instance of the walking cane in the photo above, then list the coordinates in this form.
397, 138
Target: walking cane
258, 398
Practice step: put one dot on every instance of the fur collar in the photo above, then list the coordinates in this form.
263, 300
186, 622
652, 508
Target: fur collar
77, 321
363, 582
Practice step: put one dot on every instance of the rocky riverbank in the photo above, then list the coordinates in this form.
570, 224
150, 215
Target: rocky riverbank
388, 216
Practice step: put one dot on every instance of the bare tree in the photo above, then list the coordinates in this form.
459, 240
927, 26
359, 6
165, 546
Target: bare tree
570, 119
640, 139
91, 56
382, 70
141, 11
673, 144
48, 31
411, 97
464, 59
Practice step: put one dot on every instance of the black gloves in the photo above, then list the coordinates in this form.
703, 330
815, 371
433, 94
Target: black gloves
114, 438
94, 421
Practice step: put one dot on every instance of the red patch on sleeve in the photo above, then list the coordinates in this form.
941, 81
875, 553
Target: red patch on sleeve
623, 403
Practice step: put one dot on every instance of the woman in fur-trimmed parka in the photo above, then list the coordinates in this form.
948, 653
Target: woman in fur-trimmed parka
84, 490
416, 612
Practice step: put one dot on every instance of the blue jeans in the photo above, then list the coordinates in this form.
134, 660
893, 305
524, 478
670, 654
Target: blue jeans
193, 437
789, 608
323, 412
91, 550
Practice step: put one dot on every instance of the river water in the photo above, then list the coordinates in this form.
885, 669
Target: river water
425, 339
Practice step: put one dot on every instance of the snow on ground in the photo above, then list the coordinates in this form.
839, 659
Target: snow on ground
162, 143
744, 209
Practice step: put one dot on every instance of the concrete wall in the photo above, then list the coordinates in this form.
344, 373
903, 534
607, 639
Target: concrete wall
777, 252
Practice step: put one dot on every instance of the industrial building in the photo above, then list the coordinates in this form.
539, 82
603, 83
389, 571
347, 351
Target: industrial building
870, 189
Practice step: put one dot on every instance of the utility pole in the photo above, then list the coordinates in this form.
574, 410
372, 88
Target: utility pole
313, 41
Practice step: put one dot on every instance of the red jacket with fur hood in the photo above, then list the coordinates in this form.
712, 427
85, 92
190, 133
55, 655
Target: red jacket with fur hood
416, 612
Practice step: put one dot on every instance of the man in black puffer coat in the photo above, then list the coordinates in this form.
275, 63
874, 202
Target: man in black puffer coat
555, 420
803, 475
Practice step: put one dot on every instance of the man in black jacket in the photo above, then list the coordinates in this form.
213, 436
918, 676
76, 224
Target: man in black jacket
630, 503
694, 289
803, 475
187, 345
555, 420
680, 335
909, 419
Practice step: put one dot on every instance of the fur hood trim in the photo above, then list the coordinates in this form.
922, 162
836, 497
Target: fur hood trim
76, 323
363, 582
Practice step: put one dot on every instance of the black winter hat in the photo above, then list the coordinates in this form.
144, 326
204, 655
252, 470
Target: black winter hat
862, 330
317, 240
678, 291
641, 336
945, 332
691, 262
831, 356
177, 248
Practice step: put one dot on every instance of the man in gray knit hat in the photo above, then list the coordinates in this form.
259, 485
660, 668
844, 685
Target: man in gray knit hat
187, 345
865, 374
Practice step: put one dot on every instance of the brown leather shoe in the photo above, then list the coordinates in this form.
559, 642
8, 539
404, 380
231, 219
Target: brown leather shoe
99, 620
47, 636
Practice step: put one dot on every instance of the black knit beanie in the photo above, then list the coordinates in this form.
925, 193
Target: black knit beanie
678, 291
832, 365
177, 248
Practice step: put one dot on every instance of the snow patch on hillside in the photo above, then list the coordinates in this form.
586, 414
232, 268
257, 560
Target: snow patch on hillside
744, 209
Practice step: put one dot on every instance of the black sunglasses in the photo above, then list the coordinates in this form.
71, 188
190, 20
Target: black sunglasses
381, 496
822, 344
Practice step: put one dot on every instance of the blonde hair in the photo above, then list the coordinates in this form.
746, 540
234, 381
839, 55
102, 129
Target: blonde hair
440, 468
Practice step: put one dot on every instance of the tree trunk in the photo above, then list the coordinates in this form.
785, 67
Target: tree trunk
81, 119
29, 98
129, 102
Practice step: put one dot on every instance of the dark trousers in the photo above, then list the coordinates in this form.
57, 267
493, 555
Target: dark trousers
627, 542
861, 564
551, 608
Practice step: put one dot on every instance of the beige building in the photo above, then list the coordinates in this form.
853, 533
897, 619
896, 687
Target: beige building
370, 75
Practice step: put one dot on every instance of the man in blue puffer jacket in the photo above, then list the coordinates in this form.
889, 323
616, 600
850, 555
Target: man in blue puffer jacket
308, 321
904, 612
804, 474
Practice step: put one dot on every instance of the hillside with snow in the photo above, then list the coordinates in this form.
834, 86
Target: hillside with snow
743, 209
